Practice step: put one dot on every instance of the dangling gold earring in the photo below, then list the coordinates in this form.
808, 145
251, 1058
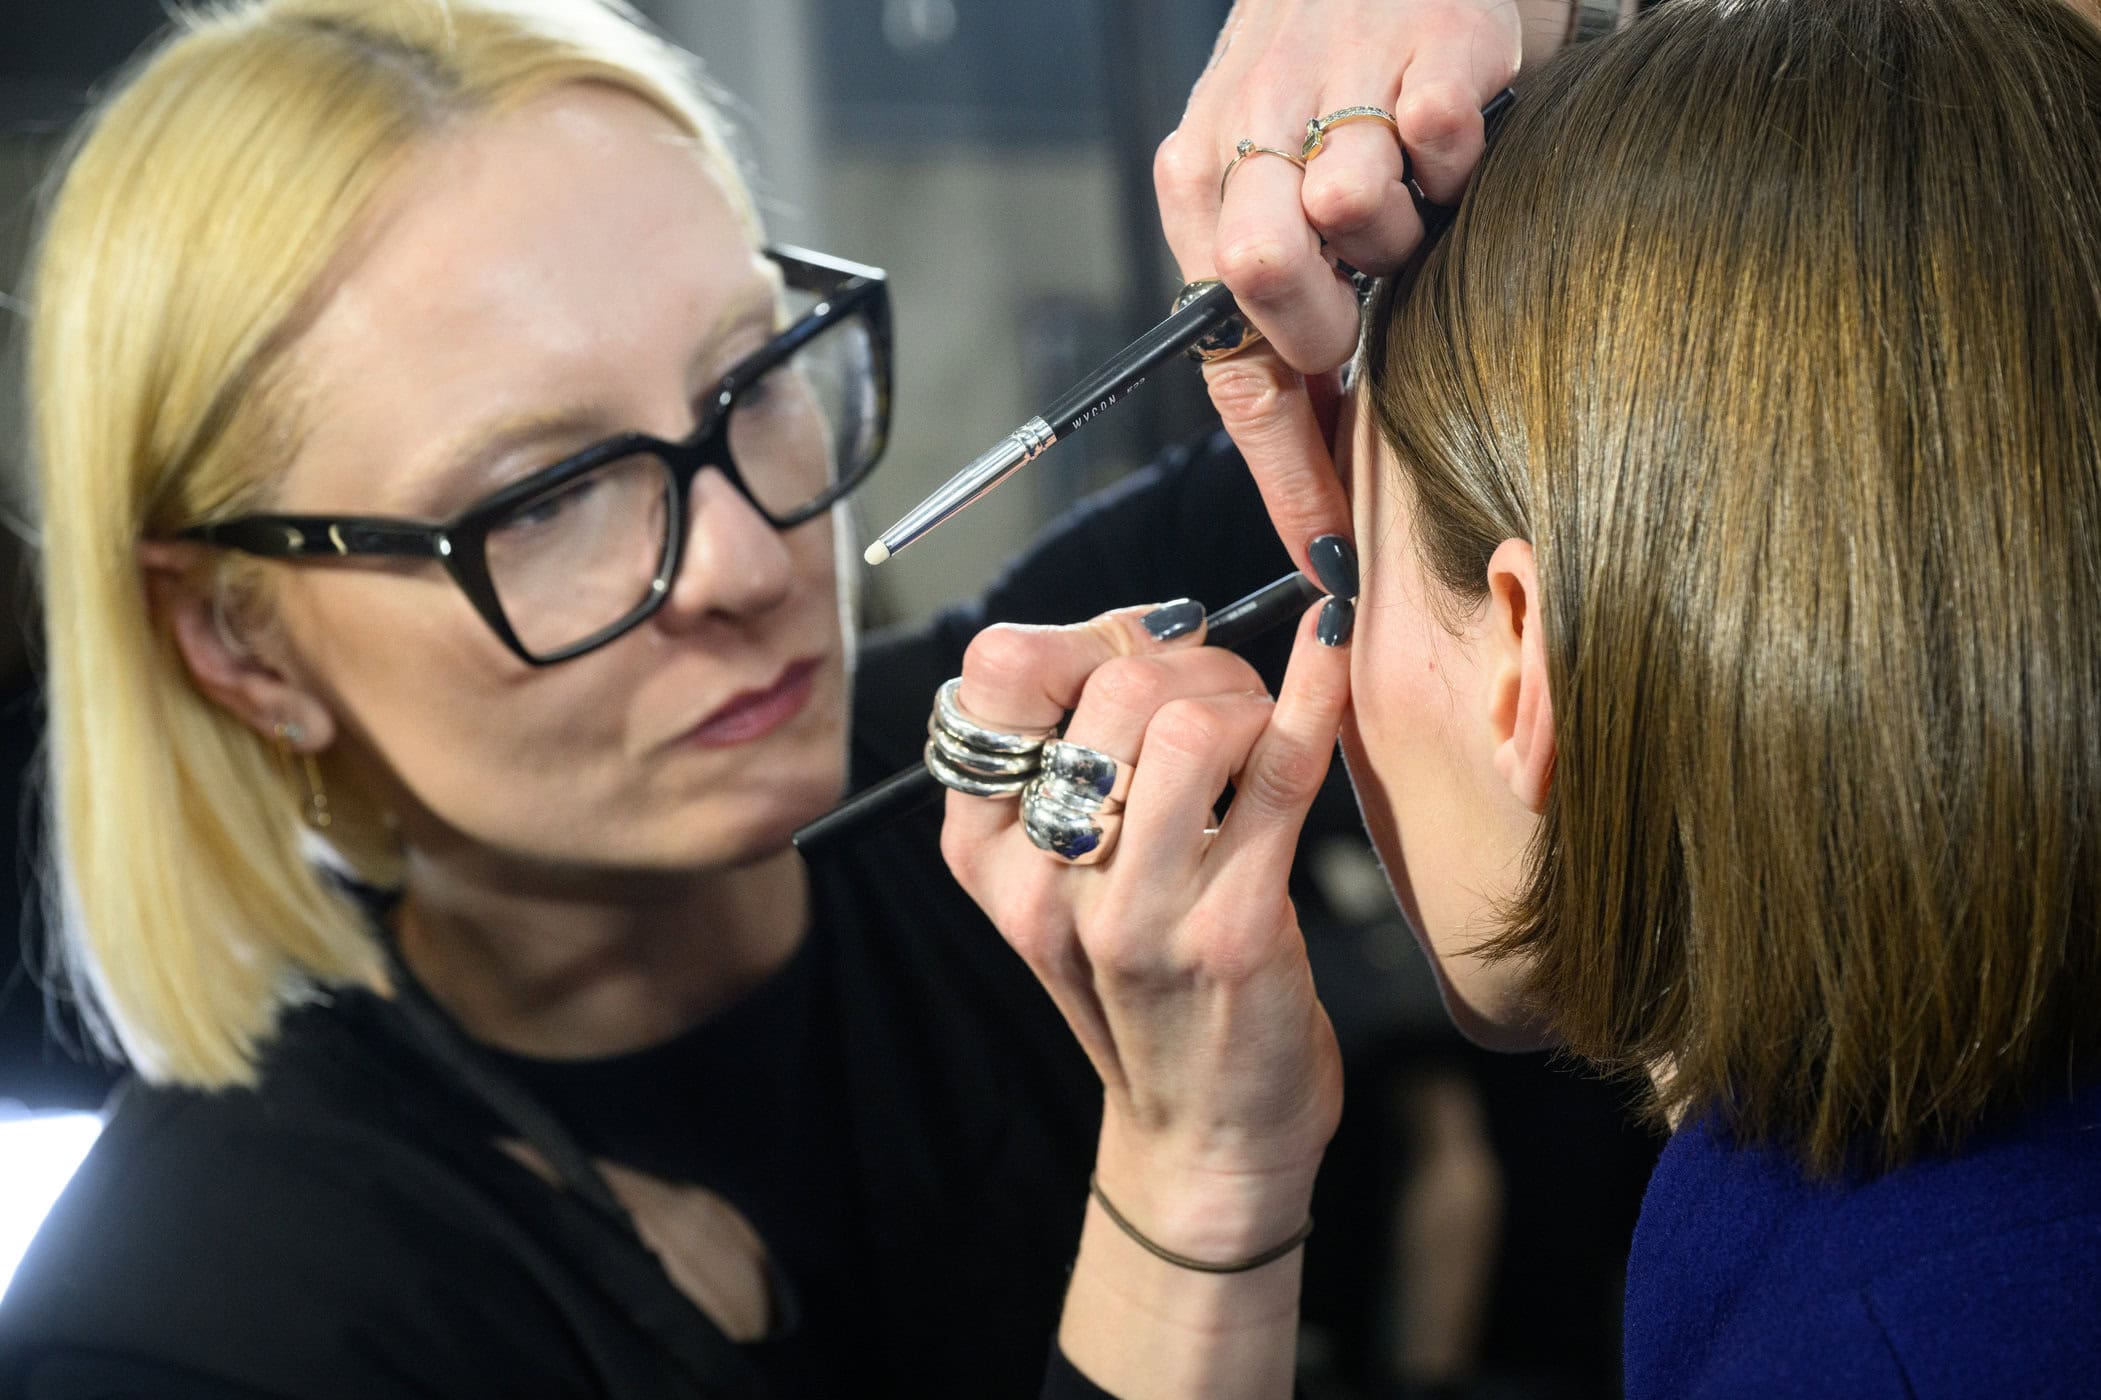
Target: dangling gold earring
290, 736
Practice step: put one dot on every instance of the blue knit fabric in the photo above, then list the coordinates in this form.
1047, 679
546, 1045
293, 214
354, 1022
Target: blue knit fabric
1977, 1275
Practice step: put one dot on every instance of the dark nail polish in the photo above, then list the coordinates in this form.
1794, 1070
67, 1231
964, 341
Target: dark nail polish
1337, 617
1176, 619
1334, 564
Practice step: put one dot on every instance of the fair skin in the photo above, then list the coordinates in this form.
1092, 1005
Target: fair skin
1178, 960
1184, 978
1179, 964
565, 835
1449, 740
590, 868
1274, 236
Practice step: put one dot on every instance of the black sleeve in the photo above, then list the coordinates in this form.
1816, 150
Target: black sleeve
1062, 1380
84, 1375
1191, 525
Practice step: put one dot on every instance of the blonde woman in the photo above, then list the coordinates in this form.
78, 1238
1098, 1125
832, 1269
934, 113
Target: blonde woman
445, 637
1724, 702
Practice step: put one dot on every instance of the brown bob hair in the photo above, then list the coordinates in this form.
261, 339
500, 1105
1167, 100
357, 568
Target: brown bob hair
1775, 327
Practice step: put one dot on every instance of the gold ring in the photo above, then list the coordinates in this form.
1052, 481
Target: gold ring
1229, 337
1317, 128
1241, 151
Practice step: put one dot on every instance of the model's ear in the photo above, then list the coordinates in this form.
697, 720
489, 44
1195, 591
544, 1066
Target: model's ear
1520, 709
231, 671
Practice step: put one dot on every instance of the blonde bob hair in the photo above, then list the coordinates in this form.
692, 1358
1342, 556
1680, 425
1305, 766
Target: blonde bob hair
1771, 324
196, 223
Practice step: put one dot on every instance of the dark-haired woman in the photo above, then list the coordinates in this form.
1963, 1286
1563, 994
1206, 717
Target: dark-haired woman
1723, 706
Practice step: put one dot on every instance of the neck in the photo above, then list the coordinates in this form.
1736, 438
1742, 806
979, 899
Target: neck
603, 969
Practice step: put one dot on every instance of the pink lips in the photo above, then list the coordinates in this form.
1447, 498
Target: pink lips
757, 713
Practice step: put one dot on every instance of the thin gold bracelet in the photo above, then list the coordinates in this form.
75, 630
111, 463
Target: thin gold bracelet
1183, 1261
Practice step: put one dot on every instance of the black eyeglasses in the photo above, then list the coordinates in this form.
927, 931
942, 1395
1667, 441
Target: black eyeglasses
574, 555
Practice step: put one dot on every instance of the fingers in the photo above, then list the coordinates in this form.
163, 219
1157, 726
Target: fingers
1271, 258
1354, 198
1289, 762
1431, 63
1192, 748
1451, 76
1123, 695
1026, 678
1278, 425
1022, 677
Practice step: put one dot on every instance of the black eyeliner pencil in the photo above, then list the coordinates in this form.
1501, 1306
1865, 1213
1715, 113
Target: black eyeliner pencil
1232, 627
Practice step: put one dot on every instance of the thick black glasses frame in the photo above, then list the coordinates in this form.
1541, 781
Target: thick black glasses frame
845, 289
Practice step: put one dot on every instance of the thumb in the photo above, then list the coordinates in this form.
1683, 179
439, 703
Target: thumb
1270, 411
1284, 772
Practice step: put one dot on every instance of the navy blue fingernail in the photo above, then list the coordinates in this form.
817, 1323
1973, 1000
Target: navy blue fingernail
1334, 564
1337, 617
1176, 619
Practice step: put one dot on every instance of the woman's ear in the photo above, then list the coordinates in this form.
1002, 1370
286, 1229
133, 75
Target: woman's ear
227, 668
1521, 710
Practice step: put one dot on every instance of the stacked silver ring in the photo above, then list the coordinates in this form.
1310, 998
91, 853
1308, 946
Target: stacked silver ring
1071, 796
972, 757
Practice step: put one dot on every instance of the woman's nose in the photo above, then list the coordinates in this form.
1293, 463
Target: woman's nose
736, 565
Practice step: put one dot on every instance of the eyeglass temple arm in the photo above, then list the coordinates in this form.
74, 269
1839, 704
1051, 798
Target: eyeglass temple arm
295, 536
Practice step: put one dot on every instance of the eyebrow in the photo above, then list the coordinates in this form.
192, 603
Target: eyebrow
481, 447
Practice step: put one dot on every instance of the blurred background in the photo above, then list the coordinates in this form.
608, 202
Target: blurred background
996, 159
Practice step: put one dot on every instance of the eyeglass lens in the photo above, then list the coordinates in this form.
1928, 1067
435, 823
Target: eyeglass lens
587, 556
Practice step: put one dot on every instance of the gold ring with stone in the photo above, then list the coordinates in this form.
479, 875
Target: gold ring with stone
1317, 128
1244, 148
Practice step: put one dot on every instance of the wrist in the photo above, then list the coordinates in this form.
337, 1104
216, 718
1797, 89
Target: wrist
1204, 1205
1144, 1329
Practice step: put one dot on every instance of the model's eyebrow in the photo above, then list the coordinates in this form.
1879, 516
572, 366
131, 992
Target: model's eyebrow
480, 448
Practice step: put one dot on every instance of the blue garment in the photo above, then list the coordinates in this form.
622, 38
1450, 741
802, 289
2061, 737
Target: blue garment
1973, 1275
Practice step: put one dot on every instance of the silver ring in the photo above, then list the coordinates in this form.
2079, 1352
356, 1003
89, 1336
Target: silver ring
1072, 835
969, 784
978, 735
980, 763
1086, 777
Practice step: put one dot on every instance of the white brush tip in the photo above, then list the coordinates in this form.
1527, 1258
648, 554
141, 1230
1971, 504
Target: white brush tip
876, 553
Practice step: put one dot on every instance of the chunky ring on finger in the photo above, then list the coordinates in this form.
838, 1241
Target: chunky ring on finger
1229, 337
1085, 778
970, 782
982, 763
1317, 128
972, 757
1072, 834
1244, 148
975, 733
